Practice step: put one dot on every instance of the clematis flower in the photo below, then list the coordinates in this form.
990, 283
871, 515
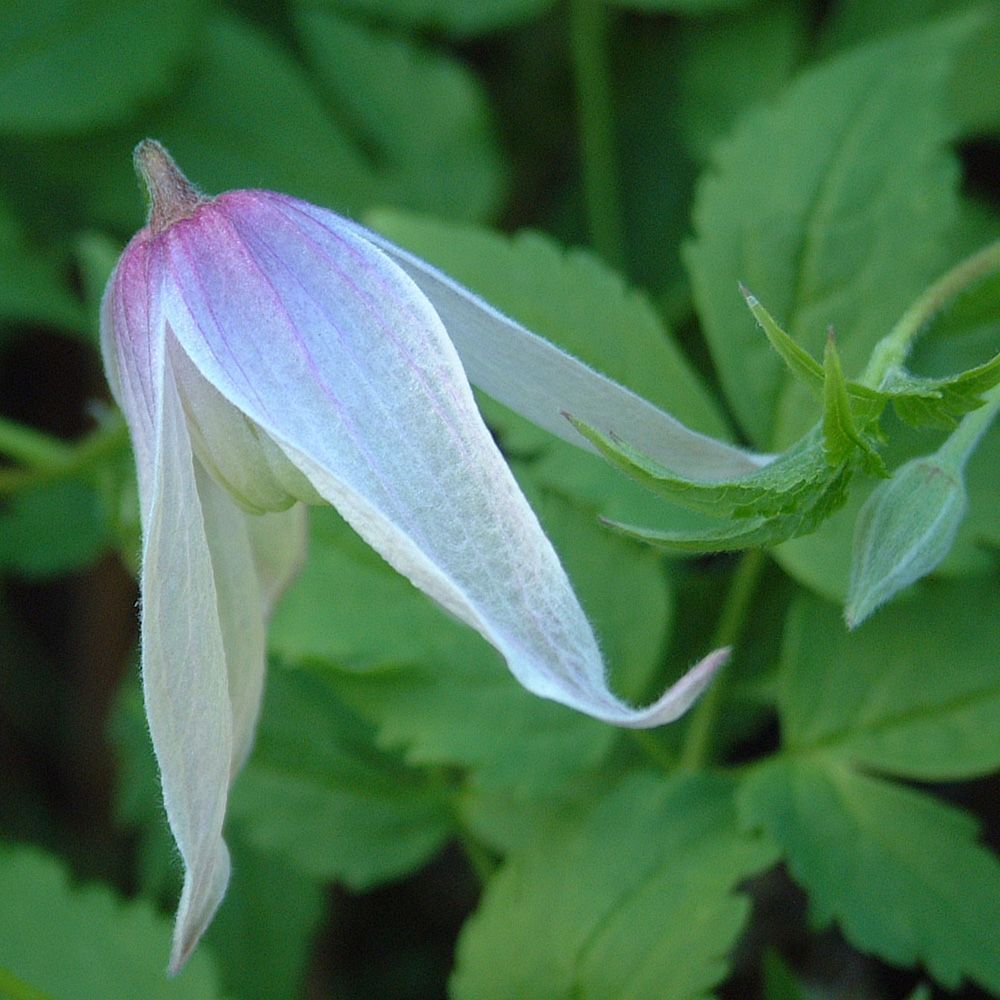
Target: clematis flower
267, 352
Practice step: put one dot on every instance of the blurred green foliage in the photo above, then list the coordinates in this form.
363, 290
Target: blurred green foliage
411, 817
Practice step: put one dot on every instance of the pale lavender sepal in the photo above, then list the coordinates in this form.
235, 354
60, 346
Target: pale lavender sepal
263, 296
198, 650
185, 679
132, 344
543, 383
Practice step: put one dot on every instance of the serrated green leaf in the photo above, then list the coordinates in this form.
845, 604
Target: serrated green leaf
890, 698
633, 898
319, 794
507, 821
422, 114
780, 487
753, 532
862, 400
939, 402
974, 86
851, 155
900, 871
903, 531
789, 497
82, 941
461, 18
67, 67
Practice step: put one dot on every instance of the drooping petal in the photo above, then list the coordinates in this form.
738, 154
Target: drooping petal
185, 679
185, 682
542, 382
254, 558
326, 344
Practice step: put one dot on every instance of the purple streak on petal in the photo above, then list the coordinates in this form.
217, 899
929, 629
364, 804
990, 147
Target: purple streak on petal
293, 210
251, 236
220, 244
132, 339
180, 236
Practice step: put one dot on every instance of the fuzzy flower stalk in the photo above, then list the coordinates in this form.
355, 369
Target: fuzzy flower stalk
268, 354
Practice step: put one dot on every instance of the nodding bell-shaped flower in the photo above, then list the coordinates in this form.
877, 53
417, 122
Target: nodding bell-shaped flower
266, 352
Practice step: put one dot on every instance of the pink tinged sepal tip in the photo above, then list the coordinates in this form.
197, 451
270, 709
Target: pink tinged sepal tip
267, 352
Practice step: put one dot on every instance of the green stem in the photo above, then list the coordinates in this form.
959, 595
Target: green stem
589, 39
49, 459
963, 440
895, 346
698, 741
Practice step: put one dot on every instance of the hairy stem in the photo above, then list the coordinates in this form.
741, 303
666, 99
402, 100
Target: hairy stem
963, 440
895, 346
